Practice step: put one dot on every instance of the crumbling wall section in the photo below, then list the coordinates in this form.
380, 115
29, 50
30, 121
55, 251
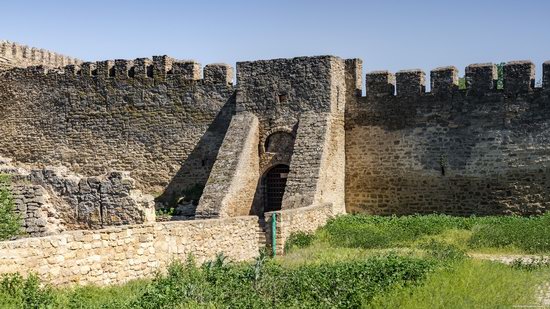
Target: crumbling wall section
52, 200
39, 217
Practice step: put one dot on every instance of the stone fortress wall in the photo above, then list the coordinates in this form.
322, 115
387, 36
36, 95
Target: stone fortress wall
16, 55
303, 98
159, 118
164, 122
480, 150
396, 150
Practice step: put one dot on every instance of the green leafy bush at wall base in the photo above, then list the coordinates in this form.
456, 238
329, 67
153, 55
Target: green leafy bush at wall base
531, 234
335, 285
26, 292
299, 240
444, 251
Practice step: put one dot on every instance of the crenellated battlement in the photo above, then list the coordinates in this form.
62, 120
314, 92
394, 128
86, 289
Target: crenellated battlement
16, 55
444, 79
380, 83
410, 82
159, 68
480, 78
519, 76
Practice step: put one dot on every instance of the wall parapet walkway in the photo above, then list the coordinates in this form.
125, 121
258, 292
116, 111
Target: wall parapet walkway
117, 255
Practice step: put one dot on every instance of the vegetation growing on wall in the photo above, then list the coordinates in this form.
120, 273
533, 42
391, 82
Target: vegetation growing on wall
10, 221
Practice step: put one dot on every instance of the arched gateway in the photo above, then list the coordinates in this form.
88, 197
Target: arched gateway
274, 187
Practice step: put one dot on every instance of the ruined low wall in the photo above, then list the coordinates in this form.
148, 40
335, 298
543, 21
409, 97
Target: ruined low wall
117, 255
53, 199
38, 216
306, 219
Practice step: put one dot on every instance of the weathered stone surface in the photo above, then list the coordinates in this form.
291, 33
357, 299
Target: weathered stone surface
303, 99
52, 200
481, 77
410, 82
519, 77
475, 151
15, 55
117, 255
233, 181
444, 80
165, 129
479, 150
380, 83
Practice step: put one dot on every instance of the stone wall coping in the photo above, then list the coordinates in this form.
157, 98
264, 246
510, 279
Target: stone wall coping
313, 207
110, 230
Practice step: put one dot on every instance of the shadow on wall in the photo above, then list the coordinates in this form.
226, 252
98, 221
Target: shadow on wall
188, 182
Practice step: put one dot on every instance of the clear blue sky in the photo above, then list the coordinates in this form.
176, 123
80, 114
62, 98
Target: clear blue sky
389, 35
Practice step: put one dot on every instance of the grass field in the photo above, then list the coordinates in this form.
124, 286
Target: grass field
355, 261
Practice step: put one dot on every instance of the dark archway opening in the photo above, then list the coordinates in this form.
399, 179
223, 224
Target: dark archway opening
274, 187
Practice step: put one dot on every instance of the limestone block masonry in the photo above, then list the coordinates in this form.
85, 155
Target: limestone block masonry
398, 149
117, 255
301, 98
15, 55
230, 189
305, 219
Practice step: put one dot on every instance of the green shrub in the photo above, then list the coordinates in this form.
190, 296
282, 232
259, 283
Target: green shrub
444, 251
10, 222
168, 212
365, 231
26, 292
299, 240
334, 285
531, 234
